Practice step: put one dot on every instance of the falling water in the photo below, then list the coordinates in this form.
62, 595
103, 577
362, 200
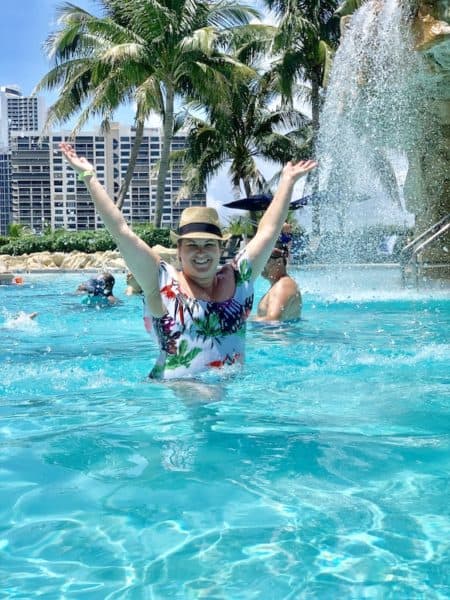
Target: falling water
372, 117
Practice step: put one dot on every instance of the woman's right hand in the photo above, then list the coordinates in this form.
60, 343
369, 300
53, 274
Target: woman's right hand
78, 163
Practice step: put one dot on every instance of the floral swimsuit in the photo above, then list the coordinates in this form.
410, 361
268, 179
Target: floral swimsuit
195, 335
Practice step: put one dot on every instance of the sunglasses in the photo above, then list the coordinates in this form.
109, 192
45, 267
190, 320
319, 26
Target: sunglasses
278, 254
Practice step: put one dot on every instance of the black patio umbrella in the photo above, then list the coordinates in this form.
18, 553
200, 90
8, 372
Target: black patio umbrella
257, 202
262, 201
314, 198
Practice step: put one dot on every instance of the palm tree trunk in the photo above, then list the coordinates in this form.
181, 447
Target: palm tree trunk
315, 102
253, 213
165, 152
314, 176
132, 163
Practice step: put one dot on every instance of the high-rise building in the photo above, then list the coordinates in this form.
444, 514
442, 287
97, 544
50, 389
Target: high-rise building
46, 192
5, 192
30, 182
19, 114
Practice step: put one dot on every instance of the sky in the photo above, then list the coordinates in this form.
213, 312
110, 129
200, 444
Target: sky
24, 27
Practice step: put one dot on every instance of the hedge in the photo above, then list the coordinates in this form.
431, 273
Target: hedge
83, 241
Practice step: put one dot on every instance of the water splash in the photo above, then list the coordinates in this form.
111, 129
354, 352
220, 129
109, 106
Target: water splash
21, 321
372, 117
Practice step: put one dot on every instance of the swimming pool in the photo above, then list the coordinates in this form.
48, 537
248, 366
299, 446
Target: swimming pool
319, 471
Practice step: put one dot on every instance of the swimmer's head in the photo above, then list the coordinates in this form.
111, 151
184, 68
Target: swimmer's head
277, 261
134, 286
109, 281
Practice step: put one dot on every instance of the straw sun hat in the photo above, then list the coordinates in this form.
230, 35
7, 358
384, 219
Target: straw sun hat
199, 222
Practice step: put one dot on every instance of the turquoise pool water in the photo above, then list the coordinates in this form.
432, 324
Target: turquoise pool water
319, 471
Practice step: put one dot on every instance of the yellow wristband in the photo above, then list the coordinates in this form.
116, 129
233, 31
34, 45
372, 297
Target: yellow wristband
81, 176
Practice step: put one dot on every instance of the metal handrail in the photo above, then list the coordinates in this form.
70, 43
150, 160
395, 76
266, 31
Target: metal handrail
424, 244
410, 250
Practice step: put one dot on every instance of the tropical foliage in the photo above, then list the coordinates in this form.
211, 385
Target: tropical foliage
83, 241
17, 230
308, 35
245, 123
236, 81
240, 227
347, 7
143, 52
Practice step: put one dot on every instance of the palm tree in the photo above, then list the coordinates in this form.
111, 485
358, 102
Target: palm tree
243, 124
236, 132
308, 35
141, 51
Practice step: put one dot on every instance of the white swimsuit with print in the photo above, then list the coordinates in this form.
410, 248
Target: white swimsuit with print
196, 335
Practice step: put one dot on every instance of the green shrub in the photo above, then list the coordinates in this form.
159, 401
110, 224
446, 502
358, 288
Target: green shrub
24, 245
82, 241
153, 236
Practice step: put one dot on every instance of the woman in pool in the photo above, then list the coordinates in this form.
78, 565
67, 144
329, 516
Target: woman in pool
198, 314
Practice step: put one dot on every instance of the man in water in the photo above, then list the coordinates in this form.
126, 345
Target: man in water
283, 301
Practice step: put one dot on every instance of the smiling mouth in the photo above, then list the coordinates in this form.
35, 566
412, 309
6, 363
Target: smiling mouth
201, 261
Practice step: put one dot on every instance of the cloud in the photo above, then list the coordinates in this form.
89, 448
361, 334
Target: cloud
154, 120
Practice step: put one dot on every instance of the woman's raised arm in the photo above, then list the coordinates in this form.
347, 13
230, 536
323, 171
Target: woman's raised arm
142, 261
260, 247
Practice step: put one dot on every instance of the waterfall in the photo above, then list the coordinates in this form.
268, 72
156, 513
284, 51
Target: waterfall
371, 119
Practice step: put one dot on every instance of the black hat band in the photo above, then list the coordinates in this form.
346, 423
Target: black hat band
199, 228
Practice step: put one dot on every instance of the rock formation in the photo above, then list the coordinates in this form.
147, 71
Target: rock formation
53, 261
110, 260
427, 187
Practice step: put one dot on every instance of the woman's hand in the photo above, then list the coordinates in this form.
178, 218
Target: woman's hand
78, 163
294, 171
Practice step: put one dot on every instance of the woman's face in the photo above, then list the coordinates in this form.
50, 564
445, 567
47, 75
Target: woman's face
199, 257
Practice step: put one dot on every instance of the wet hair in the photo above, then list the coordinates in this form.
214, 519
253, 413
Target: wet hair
109, 281
99, 286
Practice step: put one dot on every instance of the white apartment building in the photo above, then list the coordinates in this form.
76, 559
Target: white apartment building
5, 194
19, 114
45, 191
24, 115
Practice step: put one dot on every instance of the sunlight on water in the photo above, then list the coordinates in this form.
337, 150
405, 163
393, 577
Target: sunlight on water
319, 470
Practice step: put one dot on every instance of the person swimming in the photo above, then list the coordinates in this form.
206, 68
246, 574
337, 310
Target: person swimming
22, 320
98, 290
133, 288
